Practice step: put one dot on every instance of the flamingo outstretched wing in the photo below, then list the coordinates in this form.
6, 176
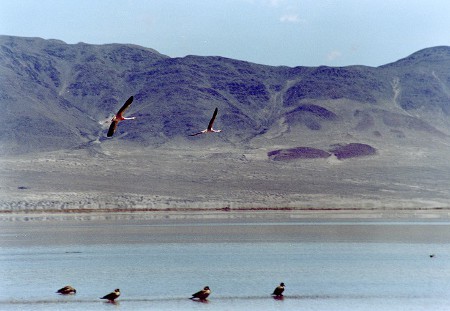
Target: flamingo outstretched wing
126, 105
112, 128
195, 134
212, 119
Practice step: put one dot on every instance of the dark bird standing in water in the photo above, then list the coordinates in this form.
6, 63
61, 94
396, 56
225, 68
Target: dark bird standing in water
119, 117
209, 129
66, 290
112, 296
278, 291
202, 295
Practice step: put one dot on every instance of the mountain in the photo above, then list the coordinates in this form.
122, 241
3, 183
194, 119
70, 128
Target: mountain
373, 138
61, 96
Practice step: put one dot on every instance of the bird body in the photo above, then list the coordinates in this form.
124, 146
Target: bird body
278, 291
119, 117
209, 129
203, 294
112, 296
66, 290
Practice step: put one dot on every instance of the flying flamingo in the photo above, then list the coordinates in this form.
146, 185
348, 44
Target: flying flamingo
210, 128
119, 117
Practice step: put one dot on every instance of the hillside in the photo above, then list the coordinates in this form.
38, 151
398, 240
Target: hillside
58, 96
302, 137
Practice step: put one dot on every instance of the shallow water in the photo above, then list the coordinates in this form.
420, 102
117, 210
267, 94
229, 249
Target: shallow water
319, 275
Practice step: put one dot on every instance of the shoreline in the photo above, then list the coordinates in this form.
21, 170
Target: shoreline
77, 230
262, 214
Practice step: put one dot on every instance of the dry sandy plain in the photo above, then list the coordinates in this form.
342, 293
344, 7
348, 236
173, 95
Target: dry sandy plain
222, 182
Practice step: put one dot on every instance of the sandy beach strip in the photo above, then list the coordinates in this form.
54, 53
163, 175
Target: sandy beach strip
231, 214
403, 226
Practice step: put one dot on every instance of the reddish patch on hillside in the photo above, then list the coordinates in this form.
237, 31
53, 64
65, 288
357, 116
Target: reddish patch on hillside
297, 153
353, 150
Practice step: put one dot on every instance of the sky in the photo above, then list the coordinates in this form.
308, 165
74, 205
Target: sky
270, 32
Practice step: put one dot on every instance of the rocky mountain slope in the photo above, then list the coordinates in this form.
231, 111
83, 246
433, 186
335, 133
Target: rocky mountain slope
61, 96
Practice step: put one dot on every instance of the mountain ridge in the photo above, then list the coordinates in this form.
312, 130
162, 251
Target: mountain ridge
57, 96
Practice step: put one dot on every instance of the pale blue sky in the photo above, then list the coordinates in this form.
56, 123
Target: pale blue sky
271, 32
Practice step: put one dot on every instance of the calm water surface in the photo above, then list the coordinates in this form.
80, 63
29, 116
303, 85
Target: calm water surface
319, 275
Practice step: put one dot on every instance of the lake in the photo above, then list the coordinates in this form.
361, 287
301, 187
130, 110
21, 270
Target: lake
337, 265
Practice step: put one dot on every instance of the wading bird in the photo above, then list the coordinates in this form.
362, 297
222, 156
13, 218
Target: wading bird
202, 295
210, 128
112, 296
119, 117
278, 291
66, 290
